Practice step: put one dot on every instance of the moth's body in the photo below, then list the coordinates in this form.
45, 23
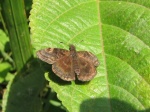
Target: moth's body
68, 63
74, 57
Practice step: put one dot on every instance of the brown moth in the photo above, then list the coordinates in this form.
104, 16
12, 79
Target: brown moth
66, 64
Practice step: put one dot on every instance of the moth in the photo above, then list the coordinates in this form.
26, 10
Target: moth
69, 64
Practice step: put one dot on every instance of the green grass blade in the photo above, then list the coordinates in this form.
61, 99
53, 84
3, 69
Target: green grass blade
16, 23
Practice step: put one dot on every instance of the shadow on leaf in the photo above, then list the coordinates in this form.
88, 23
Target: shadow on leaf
48, 68
22, 94
108, 105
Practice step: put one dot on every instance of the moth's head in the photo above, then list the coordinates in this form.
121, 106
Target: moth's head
72, 47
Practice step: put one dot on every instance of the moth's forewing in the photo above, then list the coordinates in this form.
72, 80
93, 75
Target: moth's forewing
51, 55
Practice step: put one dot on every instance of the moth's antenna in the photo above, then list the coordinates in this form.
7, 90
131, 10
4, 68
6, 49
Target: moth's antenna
81, 41
79, 44
71, 43
63, 43
74, 43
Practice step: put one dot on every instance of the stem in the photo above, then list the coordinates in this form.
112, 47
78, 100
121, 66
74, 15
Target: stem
16, 23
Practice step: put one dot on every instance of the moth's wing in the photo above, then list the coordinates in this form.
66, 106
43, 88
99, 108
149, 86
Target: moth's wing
87, 64
87, 69
63, 68
88, 56
51, 55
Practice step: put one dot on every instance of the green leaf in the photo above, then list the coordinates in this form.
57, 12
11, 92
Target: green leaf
117, 32
16, 23
22, 93
4, 69
4, 41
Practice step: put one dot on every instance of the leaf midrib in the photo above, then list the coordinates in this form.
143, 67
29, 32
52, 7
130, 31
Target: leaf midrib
103, 53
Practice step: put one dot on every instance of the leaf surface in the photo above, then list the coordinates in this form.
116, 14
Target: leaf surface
22, 93
117, 32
